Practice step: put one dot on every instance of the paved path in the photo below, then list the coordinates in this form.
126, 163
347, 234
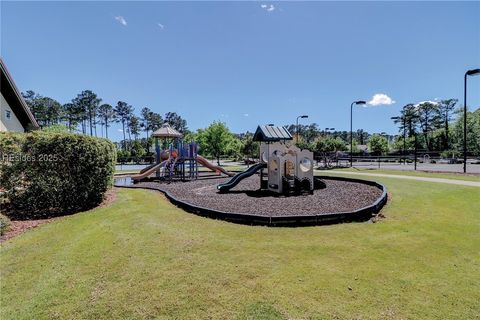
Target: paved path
438, 180
435, 167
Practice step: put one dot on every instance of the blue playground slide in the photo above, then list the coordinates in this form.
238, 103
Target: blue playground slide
240, 176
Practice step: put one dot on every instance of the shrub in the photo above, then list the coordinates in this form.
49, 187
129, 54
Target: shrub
48, 174
123, 155
449, 154
138, 150
56, 128
377, 144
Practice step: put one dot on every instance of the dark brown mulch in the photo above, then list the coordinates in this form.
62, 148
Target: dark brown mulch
338, 196
110, 197
17, 227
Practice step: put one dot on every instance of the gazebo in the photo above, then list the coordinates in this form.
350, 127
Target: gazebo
166, 131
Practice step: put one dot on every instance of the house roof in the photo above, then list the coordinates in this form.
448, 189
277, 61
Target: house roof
271, 133
15, 100
166, 131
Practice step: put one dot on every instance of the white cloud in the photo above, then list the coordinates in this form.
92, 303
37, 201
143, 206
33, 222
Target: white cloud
380, 99
121, 20
246, 115
161, 26
267, 7
119, 130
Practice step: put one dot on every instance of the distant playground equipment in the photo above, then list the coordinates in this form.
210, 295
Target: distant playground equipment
177, 160
289, 169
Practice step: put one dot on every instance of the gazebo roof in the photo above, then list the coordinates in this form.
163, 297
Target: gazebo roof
271, 133
166, 131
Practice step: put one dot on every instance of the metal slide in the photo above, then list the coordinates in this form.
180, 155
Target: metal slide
204, 162
148, 172
240, 176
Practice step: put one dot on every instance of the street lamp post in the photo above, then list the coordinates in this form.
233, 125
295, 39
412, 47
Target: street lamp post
296, 127
359, 102
473, 72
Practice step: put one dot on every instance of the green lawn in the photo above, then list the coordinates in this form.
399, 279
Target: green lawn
126, 171
143, 258
455, 176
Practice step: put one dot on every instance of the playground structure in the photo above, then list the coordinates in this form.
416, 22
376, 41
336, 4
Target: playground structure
289, 170
284, 170
177, 160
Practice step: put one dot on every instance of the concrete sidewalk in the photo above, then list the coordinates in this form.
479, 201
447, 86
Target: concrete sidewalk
437, 180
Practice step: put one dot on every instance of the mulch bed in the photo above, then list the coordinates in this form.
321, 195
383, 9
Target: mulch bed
18, 227
337, 197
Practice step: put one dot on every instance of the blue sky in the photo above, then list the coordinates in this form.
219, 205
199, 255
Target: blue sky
246, 63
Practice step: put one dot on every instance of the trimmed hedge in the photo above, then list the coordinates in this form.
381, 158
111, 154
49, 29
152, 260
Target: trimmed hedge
49, 174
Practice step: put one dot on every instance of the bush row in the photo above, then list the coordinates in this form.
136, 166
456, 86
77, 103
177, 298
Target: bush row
49, 174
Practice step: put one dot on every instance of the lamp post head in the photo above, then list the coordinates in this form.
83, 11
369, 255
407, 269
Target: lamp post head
304, 116
360, 102
473, 72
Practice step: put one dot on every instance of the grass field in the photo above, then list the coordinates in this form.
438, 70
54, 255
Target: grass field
143, 258
126, 171
455, 176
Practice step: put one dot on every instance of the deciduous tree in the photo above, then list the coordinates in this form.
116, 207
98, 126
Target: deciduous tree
215, 139
377, 144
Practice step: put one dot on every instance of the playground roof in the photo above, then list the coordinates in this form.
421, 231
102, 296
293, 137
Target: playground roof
166, 131
271, 134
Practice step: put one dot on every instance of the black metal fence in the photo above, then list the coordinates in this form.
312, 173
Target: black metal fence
329, 160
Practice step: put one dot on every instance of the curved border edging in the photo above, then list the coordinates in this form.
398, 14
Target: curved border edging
362, 214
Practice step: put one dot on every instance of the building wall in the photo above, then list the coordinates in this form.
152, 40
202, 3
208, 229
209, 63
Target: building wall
11, 124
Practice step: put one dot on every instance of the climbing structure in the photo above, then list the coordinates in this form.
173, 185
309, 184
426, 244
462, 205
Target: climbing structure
289, 170
175, 158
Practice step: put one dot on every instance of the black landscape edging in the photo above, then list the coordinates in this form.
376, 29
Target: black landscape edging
362, 214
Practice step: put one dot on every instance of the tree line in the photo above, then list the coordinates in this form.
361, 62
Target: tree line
218, 141
437, 127
431, 127
87, 114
